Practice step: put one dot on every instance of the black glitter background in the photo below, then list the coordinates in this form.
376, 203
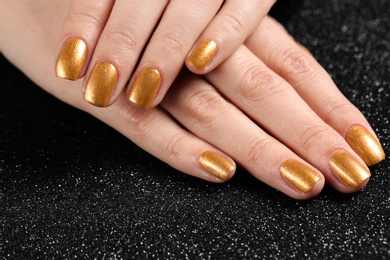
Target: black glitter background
59, 199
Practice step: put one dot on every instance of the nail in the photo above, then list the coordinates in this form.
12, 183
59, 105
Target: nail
299, 175
101, 84
70, 61
365, 145
145, 87
201, 56
216, 164
348, 168
304, 48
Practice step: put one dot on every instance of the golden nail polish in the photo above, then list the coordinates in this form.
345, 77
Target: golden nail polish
70, 61
299, 175
348, 168
304, 48
145, 87
101, 84
203, 54
216, 164
365, 145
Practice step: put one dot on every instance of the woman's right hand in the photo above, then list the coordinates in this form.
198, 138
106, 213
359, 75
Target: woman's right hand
271, 108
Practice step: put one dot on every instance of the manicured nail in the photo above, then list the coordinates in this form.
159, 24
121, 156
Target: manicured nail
101, 84
365, 145
216, 164
145, 87
299, 175
348, 168
70, 61
201, 56
304, 48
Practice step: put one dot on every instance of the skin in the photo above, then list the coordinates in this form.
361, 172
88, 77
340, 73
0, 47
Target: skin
236, 112
159, 34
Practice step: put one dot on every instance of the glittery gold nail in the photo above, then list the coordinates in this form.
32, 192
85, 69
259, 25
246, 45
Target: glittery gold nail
304, 48
348, 168
365, 145
70, 61
101, 84
201, 56
145, 87
299, 175
216, 164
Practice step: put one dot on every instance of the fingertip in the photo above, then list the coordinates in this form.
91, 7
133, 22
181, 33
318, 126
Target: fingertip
145, 87
302, 181
99, 87
71, 59
365, 144
315, 191
303, 48
351, 173
219, 166
201, 56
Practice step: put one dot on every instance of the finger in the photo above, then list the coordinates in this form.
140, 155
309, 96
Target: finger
165, 54
313, 83
153, 130
118, 49
273, 103
77, 42
202, 110
232, 25
157, 133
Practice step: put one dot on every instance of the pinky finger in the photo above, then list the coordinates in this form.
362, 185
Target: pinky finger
157, 133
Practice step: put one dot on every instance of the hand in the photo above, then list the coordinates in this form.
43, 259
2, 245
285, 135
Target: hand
105, 39
301, 139
303, 118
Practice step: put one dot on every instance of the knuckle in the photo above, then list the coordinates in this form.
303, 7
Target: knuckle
204, 106
123, 38
296, 63
90, 17
312, 136
174, 145
334, 109
257, 151
138, 122
132, 118
173, 42
258, 83
234, 22
135, 120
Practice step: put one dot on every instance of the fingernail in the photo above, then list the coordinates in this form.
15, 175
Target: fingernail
299, 175
348, 168
145, 87
216, 164
365, 145
303, 48
70, 61
101, 84
202, 54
